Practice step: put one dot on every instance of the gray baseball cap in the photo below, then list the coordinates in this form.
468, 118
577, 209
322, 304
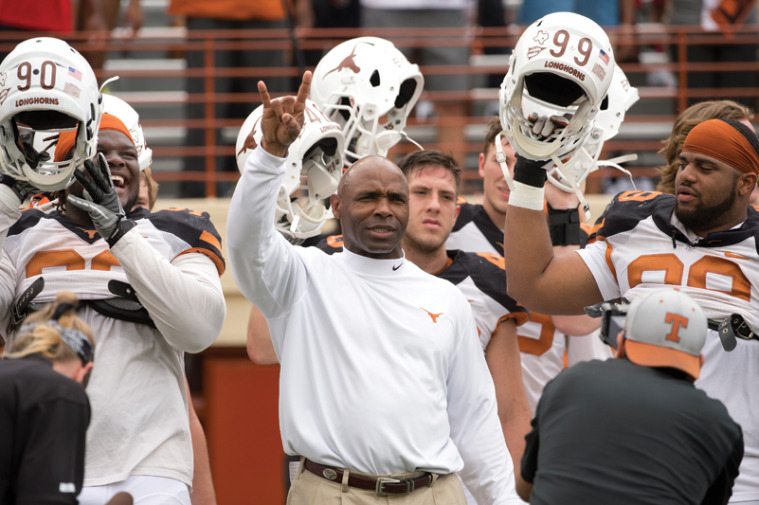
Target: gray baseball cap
666, 328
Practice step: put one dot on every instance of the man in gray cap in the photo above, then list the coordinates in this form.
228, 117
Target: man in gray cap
634, 430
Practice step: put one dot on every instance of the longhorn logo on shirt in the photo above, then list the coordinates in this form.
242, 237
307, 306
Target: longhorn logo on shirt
348, 63
432, 315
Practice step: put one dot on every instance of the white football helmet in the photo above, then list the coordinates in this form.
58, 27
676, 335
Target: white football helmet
368, 87
563, 61
50, 107
314, 167
570, 174
117, 107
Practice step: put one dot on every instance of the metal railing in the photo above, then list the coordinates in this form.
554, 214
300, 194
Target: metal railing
159, 91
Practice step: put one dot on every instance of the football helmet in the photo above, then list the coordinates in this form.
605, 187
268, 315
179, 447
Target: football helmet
564, 62
117, 107
50, 107
314, 167
569, 174
368, 87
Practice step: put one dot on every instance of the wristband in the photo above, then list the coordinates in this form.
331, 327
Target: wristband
564, 226
527, 197
530, 172
121, 229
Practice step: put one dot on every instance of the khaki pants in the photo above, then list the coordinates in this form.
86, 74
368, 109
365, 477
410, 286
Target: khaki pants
310, 489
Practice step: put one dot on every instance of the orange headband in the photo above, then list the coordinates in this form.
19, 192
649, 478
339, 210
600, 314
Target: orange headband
724, 142
111, 122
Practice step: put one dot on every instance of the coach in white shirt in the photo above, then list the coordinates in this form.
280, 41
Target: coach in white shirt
384, 389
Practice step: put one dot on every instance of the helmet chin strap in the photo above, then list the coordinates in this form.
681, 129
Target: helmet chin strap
574, 184
500, 157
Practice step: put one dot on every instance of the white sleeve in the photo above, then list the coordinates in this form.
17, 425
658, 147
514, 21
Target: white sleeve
473, 415
266, 267
594, 256
183, 297
8, 217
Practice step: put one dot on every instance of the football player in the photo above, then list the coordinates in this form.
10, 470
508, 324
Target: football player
149, 283
547, 343
702, 239
203, 492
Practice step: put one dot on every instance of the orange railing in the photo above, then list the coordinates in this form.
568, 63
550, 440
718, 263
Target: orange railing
153, 76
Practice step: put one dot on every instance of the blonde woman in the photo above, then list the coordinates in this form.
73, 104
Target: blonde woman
44, 411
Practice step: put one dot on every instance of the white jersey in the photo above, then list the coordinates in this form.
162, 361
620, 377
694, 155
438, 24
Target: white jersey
139, 420
543, 348
640, 246
381, 371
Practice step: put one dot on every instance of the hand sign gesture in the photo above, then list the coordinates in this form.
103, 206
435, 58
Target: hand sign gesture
282, 118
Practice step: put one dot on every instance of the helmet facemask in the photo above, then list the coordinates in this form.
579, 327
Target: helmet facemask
42, 150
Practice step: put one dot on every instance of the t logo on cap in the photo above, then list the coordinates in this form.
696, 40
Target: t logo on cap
677, 321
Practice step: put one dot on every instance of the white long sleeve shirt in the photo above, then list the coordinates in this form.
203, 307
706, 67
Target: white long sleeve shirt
381, 368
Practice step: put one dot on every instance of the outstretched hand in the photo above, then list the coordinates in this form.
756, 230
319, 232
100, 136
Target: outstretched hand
282, 118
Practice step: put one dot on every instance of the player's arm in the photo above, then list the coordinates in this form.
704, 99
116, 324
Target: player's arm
259, 344
266, 267
184, 296
502, 355
11, 195
537, 278
202, 482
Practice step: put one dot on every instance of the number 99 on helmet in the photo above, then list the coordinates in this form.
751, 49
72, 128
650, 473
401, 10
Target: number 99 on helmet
314, 167
563, 61
50, 107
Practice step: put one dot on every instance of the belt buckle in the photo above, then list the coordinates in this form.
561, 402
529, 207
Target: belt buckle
379, 488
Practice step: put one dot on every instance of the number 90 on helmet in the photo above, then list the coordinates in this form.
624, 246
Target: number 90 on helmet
563, 61
314, 167
50, 107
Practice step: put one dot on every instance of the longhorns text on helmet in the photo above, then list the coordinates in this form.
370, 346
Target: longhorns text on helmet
563, 61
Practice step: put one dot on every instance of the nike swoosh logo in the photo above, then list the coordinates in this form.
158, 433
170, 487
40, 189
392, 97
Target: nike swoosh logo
396, 267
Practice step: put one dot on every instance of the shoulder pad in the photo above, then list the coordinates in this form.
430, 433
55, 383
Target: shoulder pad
29, 218
487, 271
331, 244
193, 227
627, 209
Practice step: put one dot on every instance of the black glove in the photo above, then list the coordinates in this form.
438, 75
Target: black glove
101, 201
21, 189
530, 172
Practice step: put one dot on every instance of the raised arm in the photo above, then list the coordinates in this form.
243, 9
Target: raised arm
537, 278
266, 267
